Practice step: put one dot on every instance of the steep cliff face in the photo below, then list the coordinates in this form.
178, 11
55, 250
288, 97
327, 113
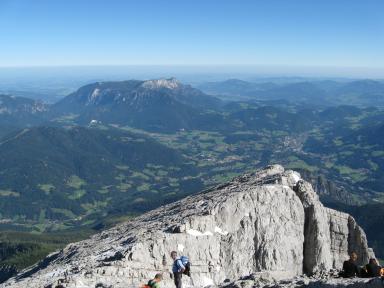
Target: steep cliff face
329, 235
270, 220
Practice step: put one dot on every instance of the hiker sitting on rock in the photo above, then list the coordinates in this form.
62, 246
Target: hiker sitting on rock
154, 283
177, 269
350, 268
373, 268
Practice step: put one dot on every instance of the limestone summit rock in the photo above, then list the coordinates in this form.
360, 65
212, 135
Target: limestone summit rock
268, 221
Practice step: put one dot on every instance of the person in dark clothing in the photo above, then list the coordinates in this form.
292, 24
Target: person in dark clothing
177, 269
154, 283
373, 269
350, 268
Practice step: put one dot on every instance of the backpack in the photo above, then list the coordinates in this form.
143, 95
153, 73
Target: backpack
187, 264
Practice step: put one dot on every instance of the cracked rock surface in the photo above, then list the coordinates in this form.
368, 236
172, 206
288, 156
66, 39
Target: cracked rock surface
268, 221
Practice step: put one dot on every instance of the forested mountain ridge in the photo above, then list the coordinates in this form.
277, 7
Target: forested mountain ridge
67, 173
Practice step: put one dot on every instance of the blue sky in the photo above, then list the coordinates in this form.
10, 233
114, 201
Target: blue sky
336, 33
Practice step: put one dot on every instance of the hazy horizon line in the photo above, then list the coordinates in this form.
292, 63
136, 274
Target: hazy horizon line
228, 71
192, 65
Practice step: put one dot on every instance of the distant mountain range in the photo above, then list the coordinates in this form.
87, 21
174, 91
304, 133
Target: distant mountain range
168, 106
325, 92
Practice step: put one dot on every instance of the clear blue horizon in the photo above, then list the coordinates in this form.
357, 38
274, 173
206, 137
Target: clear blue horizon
153, 32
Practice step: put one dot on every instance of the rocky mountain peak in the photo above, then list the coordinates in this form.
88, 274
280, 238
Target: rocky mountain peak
170, 83
270, 220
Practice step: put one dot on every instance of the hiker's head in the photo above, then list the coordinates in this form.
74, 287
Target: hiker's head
353, 256
158, 277
373, 261
174, 255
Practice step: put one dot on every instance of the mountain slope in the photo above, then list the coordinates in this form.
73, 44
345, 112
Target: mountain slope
18, 112
156, 105
362, 92
50, 173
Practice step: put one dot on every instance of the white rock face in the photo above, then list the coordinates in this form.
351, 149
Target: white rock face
171, 83
267, 221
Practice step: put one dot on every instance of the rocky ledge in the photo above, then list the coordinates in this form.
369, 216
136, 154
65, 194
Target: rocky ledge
270, 221
329, 279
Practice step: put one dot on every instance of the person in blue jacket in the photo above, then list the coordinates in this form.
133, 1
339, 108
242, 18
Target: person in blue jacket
177, 269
